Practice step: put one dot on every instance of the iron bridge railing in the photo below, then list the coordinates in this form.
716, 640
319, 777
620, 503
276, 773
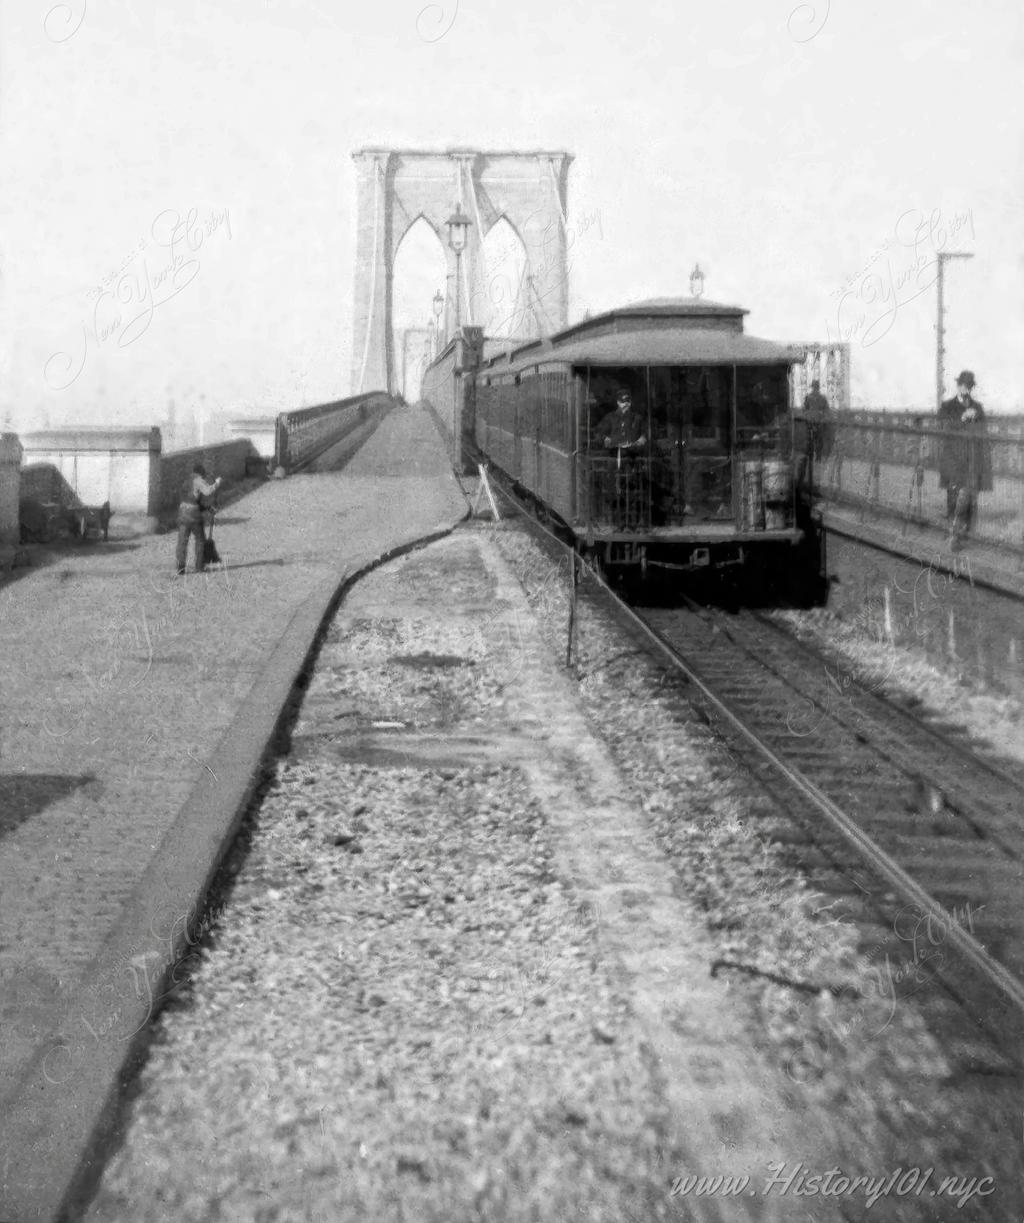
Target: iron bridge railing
304, 434
967, 480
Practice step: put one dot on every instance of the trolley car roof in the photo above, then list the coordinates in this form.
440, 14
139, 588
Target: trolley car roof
669, 347
663, 331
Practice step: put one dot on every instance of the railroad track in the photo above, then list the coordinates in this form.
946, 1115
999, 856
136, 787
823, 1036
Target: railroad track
916, 837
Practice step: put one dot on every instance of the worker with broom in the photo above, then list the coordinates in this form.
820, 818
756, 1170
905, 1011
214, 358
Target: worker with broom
193, 511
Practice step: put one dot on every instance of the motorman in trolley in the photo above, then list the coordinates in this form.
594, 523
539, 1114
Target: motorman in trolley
622, 429
620, 489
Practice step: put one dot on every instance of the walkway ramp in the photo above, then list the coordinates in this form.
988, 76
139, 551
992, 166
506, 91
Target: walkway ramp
136, 708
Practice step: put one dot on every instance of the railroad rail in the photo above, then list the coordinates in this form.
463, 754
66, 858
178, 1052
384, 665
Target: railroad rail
898, 813
934, 822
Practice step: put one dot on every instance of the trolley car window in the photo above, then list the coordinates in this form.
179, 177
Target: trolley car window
762, 407
554, 411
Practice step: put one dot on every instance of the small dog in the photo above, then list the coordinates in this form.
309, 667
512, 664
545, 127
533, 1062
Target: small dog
86, 518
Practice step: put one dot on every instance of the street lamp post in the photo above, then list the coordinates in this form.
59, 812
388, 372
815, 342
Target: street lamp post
458, 235
438, 307
940, 348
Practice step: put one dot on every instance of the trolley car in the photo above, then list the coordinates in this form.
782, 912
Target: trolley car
709, 478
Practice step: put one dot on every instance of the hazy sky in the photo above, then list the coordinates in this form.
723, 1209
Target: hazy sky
177, 216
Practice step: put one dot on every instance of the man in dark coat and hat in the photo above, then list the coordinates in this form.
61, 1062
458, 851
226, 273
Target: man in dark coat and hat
819, 422
622, 429
965, 461
621, 493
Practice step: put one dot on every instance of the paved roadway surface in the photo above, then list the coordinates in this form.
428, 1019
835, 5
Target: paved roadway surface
136, 706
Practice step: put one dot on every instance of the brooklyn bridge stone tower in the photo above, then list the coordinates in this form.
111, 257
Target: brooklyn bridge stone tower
396, 187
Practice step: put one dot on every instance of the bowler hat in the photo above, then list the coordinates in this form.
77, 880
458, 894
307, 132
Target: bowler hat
966, 378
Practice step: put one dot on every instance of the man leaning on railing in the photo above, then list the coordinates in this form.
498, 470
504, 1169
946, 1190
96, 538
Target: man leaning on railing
965, 460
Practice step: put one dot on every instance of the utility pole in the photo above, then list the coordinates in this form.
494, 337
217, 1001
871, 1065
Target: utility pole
940, 347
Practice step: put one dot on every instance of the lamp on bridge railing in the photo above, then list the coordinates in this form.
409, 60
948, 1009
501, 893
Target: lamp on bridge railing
696, 281
458, 236
438, 307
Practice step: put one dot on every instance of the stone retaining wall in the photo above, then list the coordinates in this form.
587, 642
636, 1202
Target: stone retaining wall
119, 465
10, 484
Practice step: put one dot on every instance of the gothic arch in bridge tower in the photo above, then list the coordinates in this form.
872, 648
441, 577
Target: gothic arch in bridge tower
417, 273
395, 188
505, 308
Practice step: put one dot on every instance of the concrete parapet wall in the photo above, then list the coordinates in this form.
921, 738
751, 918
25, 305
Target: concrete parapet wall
226, 459
438, 392
117, 465
448, 392
260, 431
10, 487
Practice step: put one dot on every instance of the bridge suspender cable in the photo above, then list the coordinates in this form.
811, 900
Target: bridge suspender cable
543, 322
373, 274
558, 198
519, 305
465, 285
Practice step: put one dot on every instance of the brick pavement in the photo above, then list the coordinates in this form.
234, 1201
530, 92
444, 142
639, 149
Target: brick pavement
131, 697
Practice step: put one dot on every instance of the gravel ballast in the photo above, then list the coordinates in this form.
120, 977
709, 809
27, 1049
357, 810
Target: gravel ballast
397, 1008
459, 964
859, 1061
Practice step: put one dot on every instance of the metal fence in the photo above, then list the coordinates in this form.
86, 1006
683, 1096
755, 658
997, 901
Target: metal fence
969, 480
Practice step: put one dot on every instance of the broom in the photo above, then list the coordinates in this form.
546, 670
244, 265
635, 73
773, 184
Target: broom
210, 554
